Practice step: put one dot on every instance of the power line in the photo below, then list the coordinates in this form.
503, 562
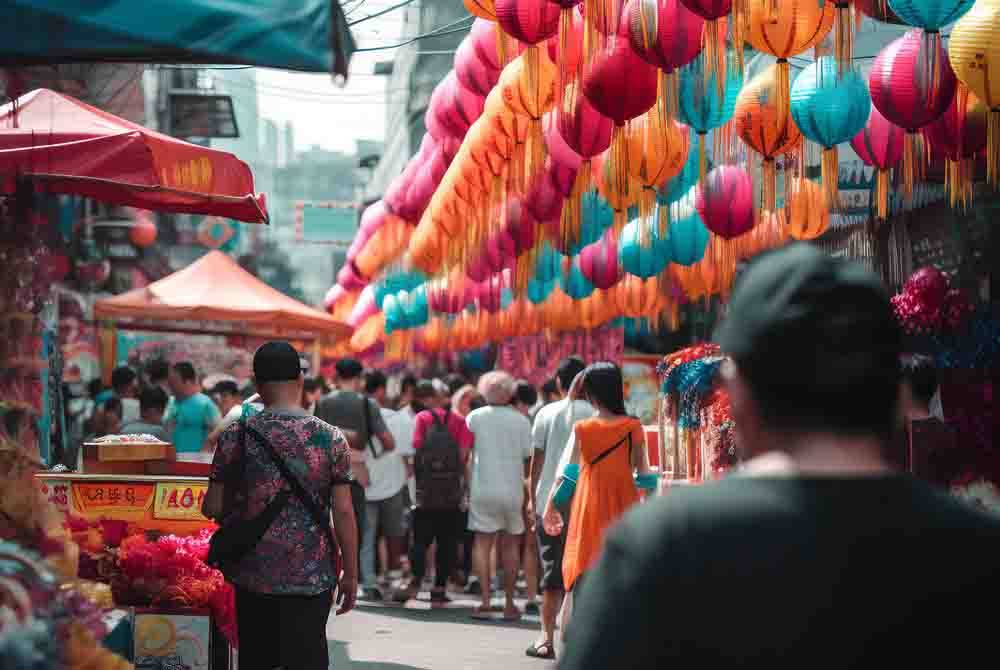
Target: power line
440, 32
393, 8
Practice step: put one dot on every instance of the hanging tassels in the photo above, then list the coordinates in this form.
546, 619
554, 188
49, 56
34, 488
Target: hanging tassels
618, 155
830, 170
993, 148
769, 184
911, 160
782, 91
881, 194
714, 53
570, 217
844, 40
702, 157
740, 22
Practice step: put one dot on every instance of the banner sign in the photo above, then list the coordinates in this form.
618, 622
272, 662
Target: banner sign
123, 500
535, 357
179, 501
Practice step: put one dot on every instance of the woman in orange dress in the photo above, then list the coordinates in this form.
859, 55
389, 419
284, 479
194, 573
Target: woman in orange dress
609, 448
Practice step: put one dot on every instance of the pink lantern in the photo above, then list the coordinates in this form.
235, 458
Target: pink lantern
571, 57
496, 253
725, 201
473, 73
395, 194
372, 219
521, 226
599, 261
664, 33
334, 295
528, 21
901, 81
880, 144
452, 109
558, 149
350, 278
563, 178
450, 298
489, 293
363, 308
544, 201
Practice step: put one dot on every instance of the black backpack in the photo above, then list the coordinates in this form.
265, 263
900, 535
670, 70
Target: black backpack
438, 465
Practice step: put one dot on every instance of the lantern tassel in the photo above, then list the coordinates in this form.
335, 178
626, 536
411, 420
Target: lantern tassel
569, 219
911, 162
702, 157
618, 177
565, 30
666, 102
881, 194
782, 92
993, 148
830, 168
647, 205
769, 184
663, 220
501, 40
844, 47
740, 23
714, 49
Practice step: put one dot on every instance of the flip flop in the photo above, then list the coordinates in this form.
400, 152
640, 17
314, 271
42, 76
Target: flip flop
536, 651
481, 614
512, 617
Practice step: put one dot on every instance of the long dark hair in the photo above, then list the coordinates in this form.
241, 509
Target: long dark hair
603, 385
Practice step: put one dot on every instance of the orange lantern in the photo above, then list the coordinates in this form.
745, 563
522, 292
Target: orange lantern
808, 215
639, 297
385, 245
620, 199
432, 335
369, 333
657, 150
759, 124
528, 86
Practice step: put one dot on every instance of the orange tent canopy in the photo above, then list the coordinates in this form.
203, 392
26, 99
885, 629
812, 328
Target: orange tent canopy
78, 149
215, 289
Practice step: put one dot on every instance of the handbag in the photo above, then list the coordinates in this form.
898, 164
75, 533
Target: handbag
315, 509
237, 537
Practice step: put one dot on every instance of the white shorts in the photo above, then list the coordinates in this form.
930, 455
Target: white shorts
494, 516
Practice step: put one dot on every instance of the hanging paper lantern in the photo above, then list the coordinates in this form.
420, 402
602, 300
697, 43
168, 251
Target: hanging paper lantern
808, 215
714, 12
905, 91
527, 87
675, 188
959, 134
974, 48
473, 73
548, 263
415, 307
543, 200
394, 282
880, 144
599, 262
643, 259
452, 109
558, 150
657, 149
787, 29
573, 281
830, 106
539, 289
725, 201
759, 125
688, 238
596, 216
142, 233
639, 297
703, 104
878, 10
931, 15
607, 181
528, 21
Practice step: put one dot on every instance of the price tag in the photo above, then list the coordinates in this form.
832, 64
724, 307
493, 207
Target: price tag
179, 501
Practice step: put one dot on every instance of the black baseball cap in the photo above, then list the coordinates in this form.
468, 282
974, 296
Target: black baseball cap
276, 362
814, 335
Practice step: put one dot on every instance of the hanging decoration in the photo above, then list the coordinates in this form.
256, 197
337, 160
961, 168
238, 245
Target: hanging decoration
959, 135
806, 209
643, 253
880, 144
704, 104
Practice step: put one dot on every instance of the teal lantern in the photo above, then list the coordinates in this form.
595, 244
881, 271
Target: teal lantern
688, 238
574, 284
394, 282
703, 102
395, 317
641, 250
548, 263
931, 15
830, 107
415, 308
539, 289
596, 216
675, 188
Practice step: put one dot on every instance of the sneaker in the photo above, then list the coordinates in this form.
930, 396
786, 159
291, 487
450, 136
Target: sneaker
372, 593
473, 588
439, 598
532, 608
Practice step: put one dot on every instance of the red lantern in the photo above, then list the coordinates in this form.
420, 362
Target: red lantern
664, 33
528, 21
880, 144
959, 134
725, 201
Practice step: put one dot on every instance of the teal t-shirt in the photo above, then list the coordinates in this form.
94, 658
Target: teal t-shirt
191, 420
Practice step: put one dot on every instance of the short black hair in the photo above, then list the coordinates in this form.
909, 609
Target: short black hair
348, 368
226, 387
455, 381
476, 402
409, 380
185, 370
121, 377
312, 384
94, 387
525, 393
424, 389
568, 369
549, 387
921, 374
374, 380
153, 397
157, 370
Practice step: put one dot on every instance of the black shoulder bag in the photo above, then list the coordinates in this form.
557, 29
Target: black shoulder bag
315, 509
237, 537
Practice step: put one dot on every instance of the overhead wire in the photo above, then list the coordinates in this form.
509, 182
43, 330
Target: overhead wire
393, 8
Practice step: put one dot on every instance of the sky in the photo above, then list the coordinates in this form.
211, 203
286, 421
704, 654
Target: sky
328, 115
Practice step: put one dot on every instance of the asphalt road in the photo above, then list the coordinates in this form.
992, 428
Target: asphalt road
416, 637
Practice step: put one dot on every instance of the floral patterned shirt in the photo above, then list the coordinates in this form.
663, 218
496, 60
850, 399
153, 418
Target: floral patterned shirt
294, 556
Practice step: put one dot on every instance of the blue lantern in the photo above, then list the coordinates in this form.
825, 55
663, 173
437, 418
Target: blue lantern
643, 253
830, 107
688, 238
395, 317
549, 262
596, 216
702, 103
539, 290
574, 284
415, 307
397, 281
674, 189
931, 15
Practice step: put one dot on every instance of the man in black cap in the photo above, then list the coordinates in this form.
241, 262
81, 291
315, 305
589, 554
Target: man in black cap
347, 407
817, 552
285, 584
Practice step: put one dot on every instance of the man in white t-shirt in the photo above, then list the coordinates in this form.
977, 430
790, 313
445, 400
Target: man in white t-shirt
550, 434
498, 468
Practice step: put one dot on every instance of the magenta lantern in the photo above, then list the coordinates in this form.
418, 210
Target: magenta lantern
584, 130
452, 108
569, 60
880, 142
563, 178
620, 85
451, 297
560, 152
528, 21
350, 278
543, 201
725, 201
664, 33
599, 261
902, 82
473, 73
521, 226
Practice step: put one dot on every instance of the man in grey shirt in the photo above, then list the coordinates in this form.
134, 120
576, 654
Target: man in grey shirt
549, 435
347, 408
152, 405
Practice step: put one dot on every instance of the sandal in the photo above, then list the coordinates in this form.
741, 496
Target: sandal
544, 650
481, 613
512, 615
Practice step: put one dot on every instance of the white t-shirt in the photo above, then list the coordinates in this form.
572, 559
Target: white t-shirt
552, 431
232, 416
387, 472
131, 412
503, 444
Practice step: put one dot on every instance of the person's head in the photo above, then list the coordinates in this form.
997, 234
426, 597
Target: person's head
814, 352
496, 387
152, 404
227, 394
443, 395
406, 387
157, 371
312, 389
112, 409
550, 391
455, 381
94, 387
349, 374
425, 396
278, 374
602, 387
375, 385
125, 382
183, 379
920, 383
567, 371
461, 400
525, 397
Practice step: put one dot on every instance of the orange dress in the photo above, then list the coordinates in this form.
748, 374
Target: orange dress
604, 491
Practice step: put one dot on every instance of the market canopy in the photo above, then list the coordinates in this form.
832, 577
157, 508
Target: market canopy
77, 149
215, 295
307, 35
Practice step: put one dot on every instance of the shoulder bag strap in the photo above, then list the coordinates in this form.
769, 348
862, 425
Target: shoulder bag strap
368, 426
315, 510
607, 452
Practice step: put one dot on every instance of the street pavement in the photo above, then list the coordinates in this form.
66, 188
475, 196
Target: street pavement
416, 637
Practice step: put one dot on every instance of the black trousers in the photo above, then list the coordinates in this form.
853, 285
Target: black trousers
358, 499
282, 631
430, 525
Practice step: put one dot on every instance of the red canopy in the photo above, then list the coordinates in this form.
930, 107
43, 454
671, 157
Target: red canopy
214, 289
78, 149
